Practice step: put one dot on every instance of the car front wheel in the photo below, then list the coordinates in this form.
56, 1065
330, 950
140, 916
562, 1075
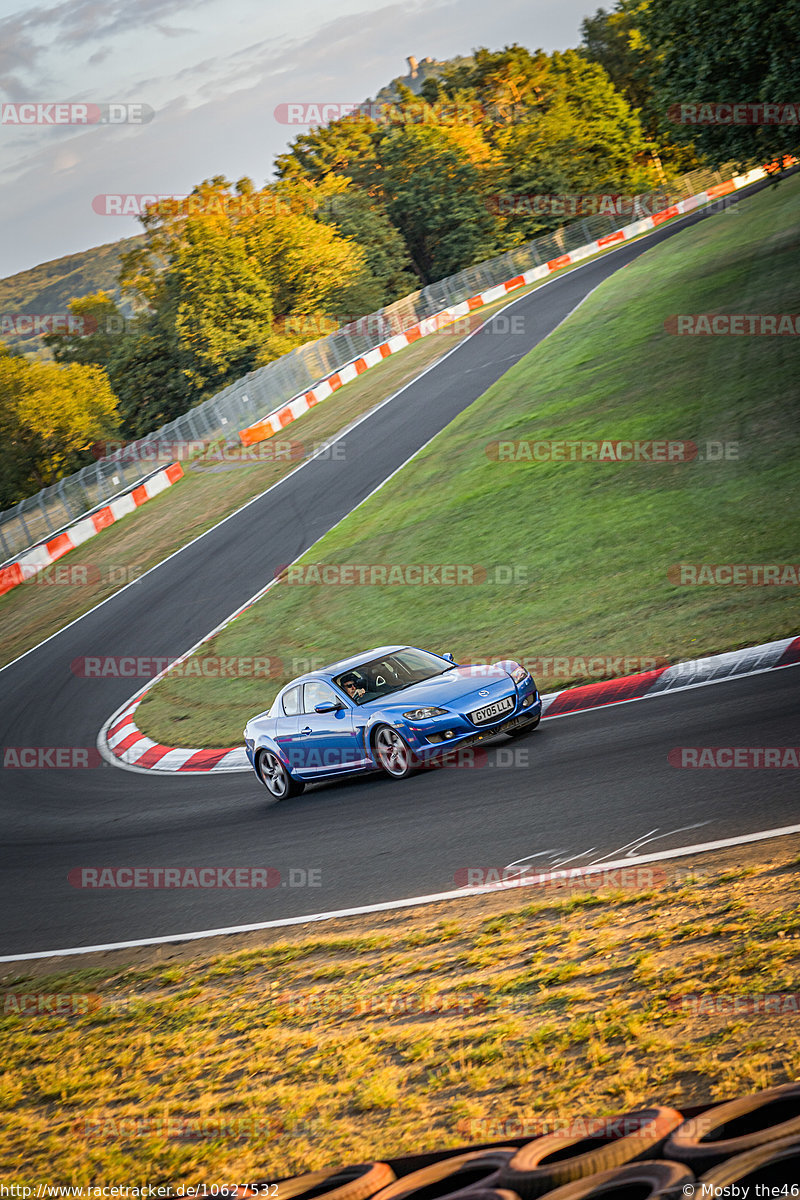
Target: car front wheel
393, 753
275, 778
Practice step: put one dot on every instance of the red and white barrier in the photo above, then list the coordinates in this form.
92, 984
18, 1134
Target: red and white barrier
39, 557
268, 426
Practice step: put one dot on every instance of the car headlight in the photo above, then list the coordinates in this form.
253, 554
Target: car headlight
421, 714
519, 674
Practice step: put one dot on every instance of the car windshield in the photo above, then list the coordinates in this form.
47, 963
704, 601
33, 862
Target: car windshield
390, 673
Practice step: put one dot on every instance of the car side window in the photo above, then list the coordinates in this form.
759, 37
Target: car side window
315, 693
291, 702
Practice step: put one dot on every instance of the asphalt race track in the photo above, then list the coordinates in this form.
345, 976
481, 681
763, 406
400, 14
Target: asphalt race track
585, 785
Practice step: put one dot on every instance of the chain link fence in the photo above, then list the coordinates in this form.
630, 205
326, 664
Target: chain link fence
38, 518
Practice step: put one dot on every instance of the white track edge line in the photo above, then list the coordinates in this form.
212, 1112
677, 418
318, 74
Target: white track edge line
393, 905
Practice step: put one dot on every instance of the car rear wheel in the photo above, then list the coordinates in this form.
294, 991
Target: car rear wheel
392, 752
275, 778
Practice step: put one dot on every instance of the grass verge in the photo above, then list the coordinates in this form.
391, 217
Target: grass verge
587, 546
408, 1031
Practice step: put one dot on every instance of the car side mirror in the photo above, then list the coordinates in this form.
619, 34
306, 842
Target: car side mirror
449, 657
328, 706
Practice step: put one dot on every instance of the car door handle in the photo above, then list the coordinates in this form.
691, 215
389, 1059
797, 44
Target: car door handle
307, 729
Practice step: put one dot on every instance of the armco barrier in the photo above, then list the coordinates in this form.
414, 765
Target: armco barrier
282, 384
44, 555
279, 418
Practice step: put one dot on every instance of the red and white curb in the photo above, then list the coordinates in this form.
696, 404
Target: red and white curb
279, 418
46, 553
123, 744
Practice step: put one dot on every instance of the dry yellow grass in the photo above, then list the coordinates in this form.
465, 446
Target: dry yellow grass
267, 1055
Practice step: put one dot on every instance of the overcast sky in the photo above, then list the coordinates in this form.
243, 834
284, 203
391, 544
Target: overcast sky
213, 73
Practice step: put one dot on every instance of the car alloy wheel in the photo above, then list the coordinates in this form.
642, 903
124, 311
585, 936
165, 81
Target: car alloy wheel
393, 752
273, 775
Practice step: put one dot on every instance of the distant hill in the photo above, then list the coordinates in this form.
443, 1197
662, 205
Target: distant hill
49, 287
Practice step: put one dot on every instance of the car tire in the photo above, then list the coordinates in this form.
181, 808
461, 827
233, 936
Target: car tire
558, 1158
522, 730
656, 1179
392, 753
456, 1174
276, 779
342, 1183
758, 1165
736, 1127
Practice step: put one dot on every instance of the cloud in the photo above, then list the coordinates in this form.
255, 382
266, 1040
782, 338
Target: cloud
214, 111
29, 36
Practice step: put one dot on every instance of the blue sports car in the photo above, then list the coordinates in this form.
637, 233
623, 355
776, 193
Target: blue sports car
393, 709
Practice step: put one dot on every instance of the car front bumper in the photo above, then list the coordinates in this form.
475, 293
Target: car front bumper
427, 738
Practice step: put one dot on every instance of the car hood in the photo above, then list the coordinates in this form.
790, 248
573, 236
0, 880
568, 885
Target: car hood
459, 688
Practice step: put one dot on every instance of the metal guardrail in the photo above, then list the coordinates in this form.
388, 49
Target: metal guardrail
39, 517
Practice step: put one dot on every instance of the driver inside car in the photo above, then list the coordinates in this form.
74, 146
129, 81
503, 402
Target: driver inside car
352, 688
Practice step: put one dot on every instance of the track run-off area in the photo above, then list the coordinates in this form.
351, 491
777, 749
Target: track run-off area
594, 787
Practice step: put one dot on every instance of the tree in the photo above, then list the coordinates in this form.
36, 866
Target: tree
433, 195
345, 147
148, 371
616, 40
580, 137
734, 51
388, 272
97, 326
50, 416
225, 305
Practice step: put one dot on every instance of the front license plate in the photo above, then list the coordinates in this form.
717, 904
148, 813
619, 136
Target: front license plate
482, 715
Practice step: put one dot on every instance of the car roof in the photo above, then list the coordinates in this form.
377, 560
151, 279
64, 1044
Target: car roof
346, 664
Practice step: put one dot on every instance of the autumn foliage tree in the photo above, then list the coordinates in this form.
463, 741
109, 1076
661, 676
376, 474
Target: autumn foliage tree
50, 415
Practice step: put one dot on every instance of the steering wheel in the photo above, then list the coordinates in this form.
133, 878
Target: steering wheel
379, 681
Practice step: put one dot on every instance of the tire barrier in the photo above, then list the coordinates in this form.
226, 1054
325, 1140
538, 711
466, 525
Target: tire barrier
654, 1180
456, 1175
653, 1153
359, 1182
775, 1163
555, 1159
736, 1127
